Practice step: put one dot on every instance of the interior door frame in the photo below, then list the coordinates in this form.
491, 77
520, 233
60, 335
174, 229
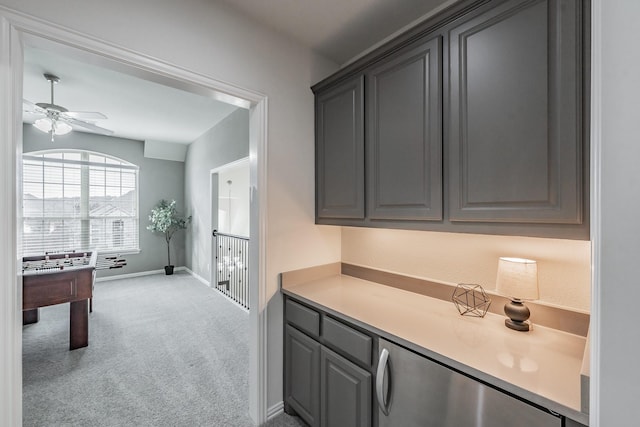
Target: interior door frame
214, 203
17, 29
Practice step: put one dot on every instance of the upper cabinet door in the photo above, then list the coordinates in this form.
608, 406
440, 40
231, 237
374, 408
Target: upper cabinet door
340, 151
515, 114
404, 135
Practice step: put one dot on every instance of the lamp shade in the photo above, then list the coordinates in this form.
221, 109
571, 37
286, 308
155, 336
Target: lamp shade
517, 278
61, 128
56, 126
44, 125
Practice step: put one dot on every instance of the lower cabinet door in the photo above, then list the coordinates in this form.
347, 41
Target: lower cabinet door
345, 399
302, 374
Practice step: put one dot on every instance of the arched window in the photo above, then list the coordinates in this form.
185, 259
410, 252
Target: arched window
78, 200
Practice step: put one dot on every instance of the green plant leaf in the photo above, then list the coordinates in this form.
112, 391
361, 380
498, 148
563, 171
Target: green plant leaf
165, 219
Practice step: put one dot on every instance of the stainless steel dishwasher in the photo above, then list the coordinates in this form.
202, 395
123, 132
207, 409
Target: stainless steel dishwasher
413, 390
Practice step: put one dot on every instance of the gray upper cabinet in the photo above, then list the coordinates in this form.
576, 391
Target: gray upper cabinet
515, 129
340, 151
474, 121
404, 135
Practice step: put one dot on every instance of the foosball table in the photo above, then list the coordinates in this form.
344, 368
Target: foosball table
56, 279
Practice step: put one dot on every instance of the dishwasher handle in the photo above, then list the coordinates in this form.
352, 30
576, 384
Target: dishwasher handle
380, 392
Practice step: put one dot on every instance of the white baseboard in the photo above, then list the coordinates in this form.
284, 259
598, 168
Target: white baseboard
230, 299
275, 410
138, 274
200, 278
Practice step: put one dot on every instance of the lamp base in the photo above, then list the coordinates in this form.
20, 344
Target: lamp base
518, 313
517, 326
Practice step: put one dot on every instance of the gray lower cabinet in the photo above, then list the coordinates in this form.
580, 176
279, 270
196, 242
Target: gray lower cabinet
345, 397
404, 134
343, 376
327, 369
515, 118
340, 151
302, 375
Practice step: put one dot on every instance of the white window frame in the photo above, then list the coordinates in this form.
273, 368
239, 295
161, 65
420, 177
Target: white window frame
85, 188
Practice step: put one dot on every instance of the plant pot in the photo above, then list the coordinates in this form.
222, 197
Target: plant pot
168, 270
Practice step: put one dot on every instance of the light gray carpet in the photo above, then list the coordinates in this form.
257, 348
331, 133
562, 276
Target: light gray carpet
163, 351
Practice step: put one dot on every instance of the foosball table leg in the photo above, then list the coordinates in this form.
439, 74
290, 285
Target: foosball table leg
79, 325
30, 316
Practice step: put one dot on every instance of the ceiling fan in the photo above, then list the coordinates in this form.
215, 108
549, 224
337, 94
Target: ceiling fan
58, 120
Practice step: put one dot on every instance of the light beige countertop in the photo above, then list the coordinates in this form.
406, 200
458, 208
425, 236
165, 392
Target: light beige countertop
542, 366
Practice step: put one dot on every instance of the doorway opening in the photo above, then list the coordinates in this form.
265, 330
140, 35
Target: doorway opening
230, 238
42, 35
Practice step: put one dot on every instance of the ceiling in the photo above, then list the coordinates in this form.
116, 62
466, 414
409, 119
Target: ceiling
336, 29
135, 108
143, 110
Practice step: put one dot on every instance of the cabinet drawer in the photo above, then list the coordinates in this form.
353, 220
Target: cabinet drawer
347, 339
303, 317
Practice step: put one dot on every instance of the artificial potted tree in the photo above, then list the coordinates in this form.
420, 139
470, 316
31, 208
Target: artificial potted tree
166, 220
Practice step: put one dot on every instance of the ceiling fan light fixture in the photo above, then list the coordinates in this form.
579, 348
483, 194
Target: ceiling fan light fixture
58, 120
44, 124
56, 127
61, 128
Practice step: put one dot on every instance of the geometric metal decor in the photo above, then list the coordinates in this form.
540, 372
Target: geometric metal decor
471, 300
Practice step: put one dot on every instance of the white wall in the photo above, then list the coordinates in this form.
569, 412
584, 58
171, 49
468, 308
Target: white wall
616, 30
564, 266
233, 197
206, 37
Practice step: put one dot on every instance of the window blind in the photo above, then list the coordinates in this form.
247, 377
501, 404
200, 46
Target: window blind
79, 200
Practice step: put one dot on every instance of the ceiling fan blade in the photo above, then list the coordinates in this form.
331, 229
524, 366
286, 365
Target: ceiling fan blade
85, 115
30, 107
88, 126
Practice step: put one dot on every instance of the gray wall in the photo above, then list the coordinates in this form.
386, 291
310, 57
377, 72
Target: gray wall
224, 143
157, 179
